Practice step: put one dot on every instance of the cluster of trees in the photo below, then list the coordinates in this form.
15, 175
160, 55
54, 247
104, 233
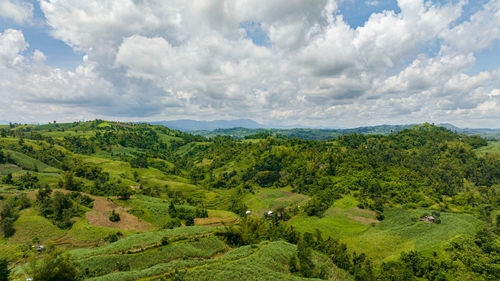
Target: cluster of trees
60, 207
10, 212
472, 258
417, 167
182, 213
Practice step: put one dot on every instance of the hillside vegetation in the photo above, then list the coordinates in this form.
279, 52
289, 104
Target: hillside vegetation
124, 201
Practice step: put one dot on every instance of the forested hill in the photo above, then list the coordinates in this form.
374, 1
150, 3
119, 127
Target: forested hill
322, 134
357, 199
421, 165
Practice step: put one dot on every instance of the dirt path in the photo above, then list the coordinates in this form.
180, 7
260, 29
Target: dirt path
99, 216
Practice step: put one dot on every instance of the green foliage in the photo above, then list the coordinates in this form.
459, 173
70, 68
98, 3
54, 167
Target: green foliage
10, 213
424, 168
27, 181
114, 217
8, 179
54, 267
4, 270
60, 208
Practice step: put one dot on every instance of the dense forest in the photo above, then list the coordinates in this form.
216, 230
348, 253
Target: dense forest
60, 171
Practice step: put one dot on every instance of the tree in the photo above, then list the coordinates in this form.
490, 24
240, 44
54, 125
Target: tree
7, 224
124, 193
304, 254
189, 220
114, 217
4, 270
68, 181
9, 216
8, 179
56, 266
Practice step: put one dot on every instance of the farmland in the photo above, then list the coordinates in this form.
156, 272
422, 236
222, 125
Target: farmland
139, 202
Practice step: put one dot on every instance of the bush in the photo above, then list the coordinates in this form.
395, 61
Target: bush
172, 223
112, 238
164, 241
189, 221
55, 266
380, 217
4, 270
114, 217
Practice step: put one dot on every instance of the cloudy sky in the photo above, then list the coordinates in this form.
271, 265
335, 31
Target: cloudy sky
333, 63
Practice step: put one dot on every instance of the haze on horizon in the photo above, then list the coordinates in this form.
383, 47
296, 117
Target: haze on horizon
324, 63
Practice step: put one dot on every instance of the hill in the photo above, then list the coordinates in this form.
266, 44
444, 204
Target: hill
193, 125
130, 201
323, 134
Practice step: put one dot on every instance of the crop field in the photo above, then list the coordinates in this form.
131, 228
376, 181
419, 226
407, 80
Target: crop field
399, 231
266, 199
29, 163
202, 248
204, 259
9, 169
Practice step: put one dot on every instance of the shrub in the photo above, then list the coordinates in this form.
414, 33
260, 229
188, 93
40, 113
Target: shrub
189, 221
4, 270
380, 217
56, 266
114, 217
112, 238
164, 241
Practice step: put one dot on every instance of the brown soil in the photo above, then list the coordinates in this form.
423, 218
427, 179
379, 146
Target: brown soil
99, 216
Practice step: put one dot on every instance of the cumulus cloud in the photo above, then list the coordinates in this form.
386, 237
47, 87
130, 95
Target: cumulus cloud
194, 59
18, 11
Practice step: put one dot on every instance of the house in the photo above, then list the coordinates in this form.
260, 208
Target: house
248, 213
270, 213
29, 279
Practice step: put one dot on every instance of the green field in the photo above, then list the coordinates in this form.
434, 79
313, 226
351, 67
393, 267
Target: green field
399, 231
493, 147
29, 163
266, 199
136, 171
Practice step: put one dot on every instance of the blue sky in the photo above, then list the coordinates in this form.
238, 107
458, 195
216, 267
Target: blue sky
439, 63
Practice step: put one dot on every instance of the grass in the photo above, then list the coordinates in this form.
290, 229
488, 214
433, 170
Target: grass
105, 264
492, 147
266, 199
29, 163
386, 239
9, 169
217, 217
82, 231
265, 261
139, 240
30, 225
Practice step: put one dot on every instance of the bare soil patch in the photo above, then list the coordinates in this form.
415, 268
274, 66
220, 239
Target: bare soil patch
99, 216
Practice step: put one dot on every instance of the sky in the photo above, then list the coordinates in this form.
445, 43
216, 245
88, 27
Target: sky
317, 63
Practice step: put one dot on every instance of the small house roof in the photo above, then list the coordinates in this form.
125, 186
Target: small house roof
430, 217
248, 212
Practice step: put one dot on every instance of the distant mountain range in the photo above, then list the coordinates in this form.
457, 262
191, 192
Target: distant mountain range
187, 125
241, 128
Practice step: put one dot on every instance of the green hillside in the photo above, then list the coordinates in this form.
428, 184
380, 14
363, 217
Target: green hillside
132, 201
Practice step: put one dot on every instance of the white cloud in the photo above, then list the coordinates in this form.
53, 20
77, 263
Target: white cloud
478, 33
16, 10
192, 59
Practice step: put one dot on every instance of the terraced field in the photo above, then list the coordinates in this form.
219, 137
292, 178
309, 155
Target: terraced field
399, 231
